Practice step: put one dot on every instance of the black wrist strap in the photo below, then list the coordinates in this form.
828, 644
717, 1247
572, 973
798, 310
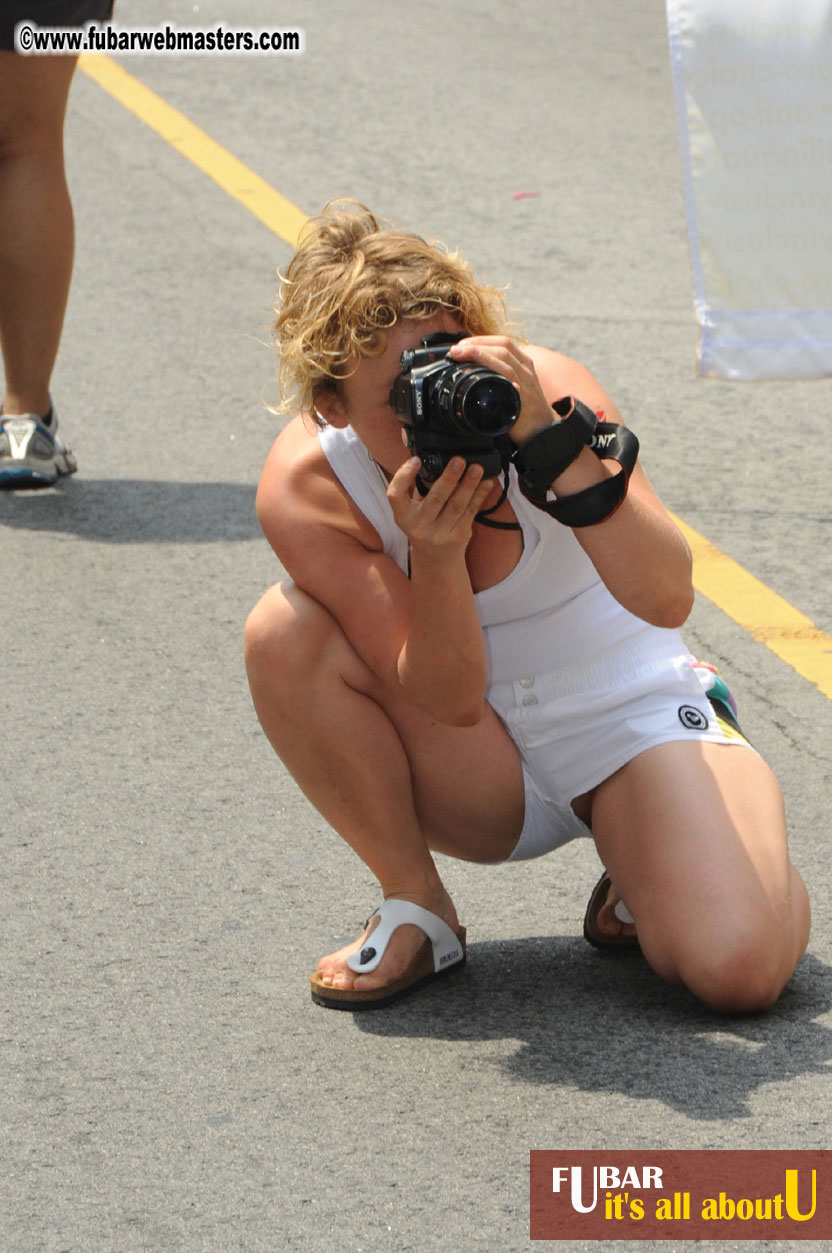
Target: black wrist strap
609, 441
545, 456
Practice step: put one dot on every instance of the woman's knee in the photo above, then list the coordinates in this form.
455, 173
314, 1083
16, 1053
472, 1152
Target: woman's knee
733, 965
33, 100
746, 979
284, 637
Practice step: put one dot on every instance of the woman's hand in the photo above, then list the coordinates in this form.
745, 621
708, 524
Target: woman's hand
442, 666
438, 525
639, 553
505, 357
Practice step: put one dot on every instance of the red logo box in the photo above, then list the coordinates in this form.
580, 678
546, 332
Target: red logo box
696, 1194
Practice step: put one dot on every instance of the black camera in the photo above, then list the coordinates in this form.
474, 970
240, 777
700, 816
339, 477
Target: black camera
453, 409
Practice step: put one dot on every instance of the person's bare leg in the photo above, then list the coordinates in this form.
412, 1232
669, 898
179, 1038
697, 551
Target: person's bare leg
393, 783
36, 225
694, 839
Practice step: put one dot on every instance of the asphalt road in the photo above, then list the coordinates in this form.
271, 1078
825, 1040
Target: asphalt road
167, 1082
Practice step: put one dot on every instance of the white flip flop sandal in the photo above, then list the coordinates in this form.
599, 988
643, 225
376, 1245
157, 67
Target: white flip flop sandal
442, 952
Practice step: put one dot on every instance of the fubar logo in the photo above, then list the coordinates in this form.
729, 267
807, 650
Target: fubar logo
683, 1195
603, 1177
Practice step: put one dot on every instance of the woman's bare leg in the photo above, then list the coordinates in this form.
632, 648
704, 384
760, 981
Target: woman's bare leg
694, 839
392, 782
36, 226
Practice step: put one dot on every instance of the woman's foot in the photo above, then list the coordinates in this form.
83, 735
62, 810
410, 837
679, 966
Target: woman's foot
405, 944
608, 923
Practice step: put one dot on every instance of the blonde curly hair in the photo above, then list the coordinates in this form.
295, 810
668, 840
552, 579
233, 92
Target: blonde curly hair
349, 282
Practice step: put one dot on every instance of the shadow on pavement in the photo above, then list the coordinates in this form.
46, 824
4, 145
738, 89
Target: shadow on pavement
137, 511
600, 1022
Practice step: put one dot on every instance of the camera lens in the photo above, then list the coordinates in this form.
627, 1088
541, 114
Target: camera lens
486, 403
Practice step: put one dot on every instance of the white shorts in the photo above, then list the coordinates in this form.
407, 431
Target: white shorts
577, 726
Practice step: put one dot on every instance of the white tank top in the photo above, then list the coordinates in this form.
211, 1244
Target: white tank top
552, 611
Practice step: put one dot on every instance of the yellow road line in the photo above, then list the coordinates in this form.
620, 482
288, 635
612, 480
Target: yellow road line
766, 616
274, 210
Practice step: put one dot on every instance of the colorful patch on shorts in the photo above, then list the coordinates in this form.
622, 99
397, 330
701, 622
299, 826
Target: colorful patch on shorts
731, 730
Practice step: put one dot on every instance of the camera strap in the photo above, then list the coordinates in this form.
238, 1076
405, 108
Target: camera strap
483, 518
609, 441
595, 504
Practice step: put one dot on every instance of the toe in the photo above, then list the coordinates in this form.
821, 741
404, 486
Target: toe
608, 921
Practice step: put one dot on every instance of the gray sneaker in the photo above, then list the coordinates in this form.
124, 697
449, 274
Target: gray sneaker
31, 455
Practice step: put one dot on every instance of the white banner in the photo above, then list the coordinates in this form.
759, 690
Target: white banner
753, 81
